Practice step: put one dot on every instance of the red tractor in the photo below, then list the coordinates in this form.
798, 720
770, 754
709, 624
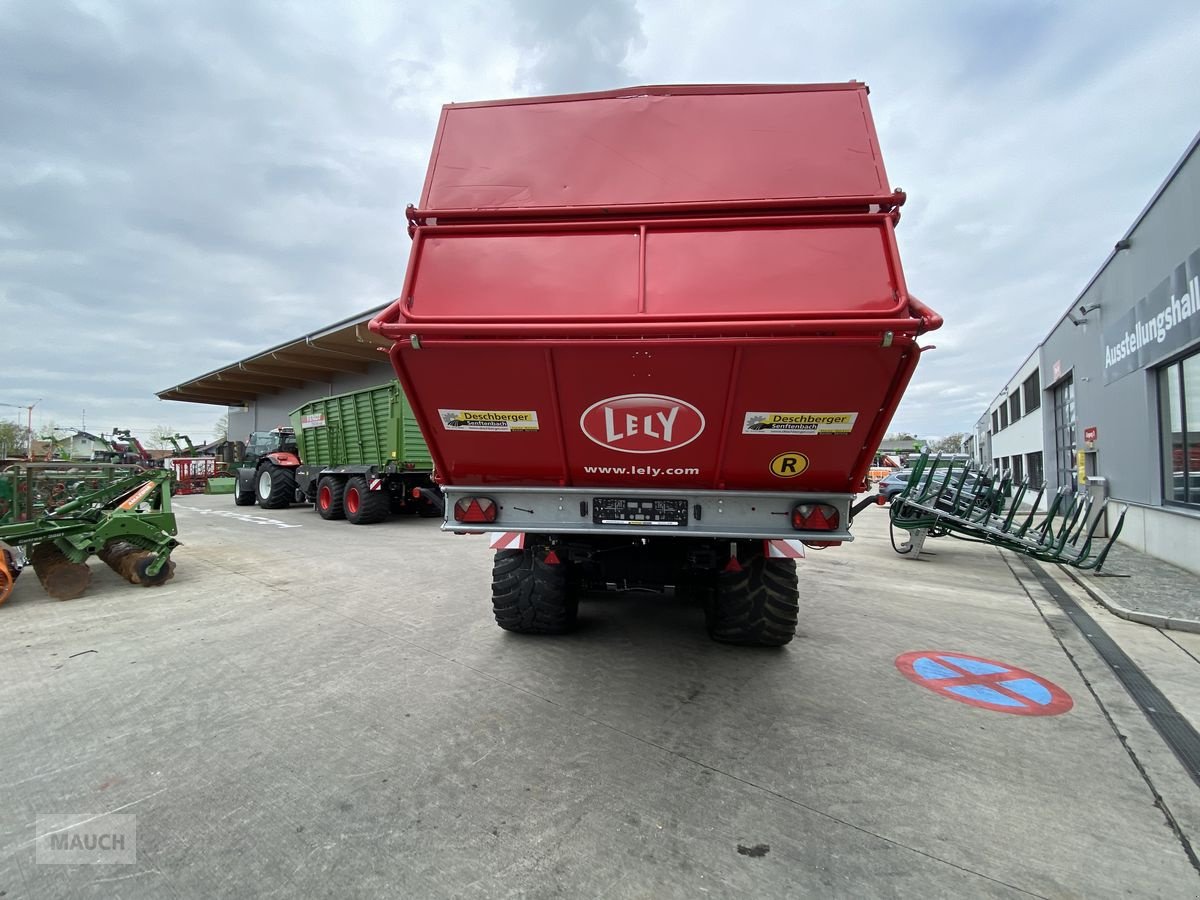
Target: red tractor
267, 473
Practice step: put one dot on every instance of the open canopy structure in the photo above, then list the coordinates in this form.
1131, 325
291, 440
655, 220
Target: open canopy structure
343, 347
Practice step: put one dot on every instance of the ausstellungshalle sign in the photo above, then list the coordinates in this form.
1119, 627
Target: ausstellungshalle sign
1164, 321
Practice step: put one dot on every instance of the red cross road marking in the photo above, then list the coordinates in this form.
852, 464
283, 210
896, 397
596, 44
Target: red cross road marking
996, 686
992, 680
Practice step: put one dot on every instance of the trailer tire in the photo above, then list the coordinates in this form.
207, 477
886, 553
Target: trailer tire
529, 596
330, 498
362, 505
758, 605
275, 487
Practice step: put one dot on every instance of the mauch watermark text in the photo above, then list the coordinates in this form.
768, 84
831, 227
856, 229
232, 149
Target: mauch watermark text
81, 839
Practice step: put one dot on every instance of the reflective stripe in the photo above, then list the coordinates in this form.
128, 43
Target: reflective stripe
786, 549
506, 540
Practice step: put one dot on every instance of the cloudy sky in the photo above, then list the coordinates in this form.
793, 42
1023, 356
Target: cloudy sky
183, 184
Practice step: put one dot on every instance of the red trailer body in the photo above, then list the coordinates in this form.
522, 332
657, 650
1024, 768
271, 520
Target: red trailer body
671, 310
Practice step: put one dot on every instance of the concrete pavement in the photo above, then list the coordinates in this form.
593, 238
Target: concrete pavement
1139, 587
329, 710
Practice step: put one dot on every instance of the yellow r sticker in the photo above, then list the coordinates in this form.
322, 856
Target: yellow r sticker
789, 465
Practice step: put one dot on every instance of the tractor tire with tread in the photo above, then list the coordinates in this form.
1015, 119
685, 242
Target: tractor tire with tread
531, 597
757, 606
240, 497
330, 498
275, 487
362, 505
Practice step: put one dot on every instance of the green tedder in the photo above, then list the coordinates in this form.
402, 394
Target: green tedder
953, 499
126, 522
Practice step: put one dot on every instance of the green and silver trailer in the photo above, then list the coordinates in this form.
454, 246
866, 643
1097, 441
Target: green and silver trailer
358, 456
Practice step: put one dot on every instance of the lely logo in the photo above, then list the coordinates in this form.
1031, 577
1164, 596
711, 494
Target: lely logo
642, 423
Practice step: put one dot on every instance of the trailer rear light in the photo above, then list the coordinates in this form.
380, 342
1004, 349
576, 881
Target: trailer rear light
815, 517
475, 510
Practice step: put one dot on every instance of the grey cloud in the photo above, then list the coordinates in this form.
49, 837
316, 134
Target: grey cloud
189, 173
570, 47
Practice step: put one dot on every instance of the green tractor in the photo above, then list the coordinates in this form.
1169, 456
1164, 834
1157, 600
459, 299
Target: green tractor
267, 472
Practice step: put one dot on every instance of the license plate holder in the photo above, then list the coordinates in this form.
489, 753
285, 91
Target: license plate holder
648, 511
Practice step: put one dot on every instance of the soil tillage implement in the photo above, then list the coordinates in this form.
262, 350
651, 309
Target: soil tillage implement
128, 524
29, 490
958, 501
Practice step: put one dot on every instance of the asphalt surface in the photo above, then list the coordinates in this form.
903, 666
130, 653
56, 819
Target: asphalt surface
314, 709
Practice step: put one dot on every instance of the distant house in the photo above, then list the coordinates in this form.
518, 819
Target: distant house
222, 448
79, 446
41, 449
85, 445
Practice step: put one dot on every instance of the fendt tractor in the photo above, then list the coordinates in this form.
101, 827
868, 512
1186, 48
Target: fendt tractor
357, 456
267, 471
653, 337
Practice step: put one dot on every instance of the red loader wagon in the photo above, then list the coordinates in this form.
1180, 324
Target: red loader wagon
653, 337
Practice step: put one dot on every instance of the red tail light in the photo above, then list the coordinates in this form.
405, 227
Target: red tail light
814, 517
475, 510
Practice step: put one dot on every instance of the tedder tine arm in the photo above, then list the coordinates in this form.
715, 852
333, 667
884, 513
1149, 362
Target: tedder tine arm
1037, 501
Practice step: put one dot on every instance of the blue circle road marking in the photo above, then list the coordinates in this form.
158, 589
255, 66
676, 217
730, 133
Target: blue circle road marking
985, 683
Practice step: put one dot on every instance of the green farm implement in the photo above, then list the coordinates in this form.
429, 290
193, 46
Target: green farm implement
954, 500
27, 490
182, 452
126, 522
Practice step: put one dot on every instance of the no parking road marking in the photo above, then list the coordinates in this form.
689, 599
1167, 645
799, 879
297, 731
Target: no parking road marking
985, 683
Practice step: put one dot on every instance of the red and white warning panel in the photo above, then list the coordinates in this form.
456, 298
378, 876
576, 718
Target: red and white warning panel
784, 549
506, 540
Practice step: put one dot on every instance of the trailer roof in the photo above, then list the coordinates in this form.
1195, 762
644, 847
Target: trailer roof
658, 146
343, 347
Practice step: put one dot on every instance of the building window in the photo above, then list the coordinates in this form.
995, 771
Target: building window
1032, 389
995, 421
1179, 417
1034, 463
1003, 416
996, 465
1018, 470
1064, 433
1014, 406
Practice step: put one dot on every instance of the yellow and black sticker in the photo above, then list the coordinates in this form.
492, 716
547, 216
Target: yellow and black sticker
788, 465
494, 420
799, 423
